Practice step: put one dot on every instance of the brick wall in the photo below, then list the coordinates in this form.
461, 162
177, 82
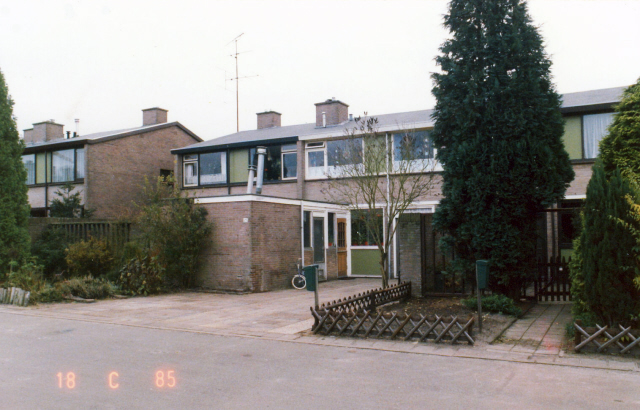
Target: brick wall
583, 175
115, 169
225, 262
275, 245
254, 256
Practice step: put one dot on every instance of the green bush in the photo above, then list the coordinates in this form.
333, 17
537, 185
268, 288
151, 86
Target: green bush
494, 304
49, 249
175, 231
87, 288
27, 277
90, 257
142, 276
47, 294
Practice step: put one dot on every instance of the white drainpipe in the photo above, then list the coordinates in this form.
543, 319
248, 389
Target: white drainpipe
261, 153
252, 171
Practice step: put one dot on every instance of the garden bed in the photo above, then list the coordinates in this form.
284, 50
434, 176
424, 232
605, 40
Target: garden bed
493, 324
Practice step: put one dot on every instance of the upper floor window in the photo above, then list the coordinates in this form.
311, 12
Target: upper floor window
289, 161
594, 128
213, 168
333, 157
55, 167
582, 134
414, 152
190, 169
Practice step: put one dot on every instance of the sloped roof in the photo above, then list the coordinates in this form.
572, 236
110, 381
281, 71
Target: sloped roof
572, 102
107, 136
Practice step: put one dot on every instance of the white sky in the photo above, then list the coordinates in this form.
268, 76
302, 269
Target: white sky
104, 61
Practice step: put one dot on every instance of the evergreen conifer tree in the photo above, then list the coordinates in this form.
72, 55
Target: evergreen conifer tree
605, 279
14, 206
498, 128
620, 148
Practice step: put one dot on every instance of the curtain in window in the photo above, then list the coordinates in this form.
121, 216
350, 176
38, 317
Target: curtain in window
62, 166
30, 164
80, 163
190, 173
594, 129
213, 168
316, 164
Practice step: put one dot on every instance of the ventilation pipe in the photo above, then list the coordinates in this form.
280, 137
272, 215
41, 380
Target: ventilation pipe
77, 133
261, 153
252, 172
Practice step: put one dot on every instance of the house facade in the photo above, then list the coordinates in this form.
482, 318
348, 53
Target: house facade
258, 238
107, 168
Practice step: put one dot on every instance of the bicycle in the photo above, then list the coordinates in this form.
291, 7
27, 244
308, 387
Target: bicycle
299, 281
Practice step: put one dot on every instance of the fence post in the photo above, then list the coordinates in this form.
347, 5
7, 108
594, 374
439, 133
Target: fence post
577, 337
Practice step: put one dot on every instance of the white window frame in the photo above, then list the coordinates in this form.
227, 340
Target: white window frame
417, 165
315, 147
283, 152
223, 170
195, 163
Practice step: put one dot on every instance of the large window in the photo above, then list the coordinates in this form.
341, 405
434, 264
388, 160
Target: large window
366, 228
412, 146
30, 164
213, 168
594, 128
330, 158
289, 161
62, 166
56, 167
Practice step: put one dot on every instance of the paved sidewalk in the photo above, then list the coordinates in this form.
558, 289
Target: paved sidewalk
284, 316
284, 312
540, 331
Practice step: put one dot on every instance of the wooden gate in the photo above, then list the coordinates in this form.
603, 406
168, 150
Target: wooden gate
552, 281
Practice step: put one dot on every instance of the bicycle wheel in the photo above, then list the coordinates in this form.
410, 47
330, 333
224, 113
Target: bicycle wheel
299, 282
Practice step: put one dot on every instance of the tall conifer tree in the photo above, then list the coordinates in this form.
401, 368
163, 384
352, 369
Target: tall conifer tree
498, 128
14, 206
621, 147
605, 275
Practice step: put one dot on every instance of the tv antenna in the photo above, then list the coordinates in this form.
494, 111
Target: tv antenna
237, 78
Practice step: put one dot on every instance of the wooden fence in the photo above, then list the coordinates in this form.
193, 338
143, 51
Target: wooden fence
367, 324
116, 234
356, 317
369, 300
552, 280
606, 339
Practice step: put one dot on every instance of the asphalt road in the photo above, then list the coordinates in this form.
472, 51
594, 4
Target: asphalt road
38, 355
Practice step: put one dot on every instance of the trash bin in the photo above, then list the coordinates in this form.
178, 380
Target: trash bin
310, 273
482, 269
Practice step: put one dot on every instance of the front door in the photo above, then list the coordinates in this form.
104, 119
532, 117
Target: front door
342, 247
318, 246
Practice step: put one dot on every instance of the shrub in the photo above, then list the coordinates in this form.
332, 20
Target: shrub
87, 287
49, 249
175, 231
27, 277
142, 276
90, 257
69, 205
494, 304
47, 294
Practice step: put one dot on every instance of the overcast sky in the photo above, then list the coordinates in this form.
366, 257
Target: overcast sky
104, 61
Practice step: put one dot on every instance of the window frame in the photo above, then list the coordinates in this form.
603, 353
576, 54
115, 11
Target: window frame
223, 169
288, 151
191, 161
48, 167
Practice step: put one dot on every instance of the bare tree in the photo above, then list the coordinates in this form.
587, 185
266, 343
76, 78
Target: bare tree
377, 176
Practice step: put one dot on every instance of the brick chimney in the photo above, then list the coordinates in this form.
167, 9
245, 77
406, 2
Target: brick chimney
44, 131
153, 116
268, 119
335, 112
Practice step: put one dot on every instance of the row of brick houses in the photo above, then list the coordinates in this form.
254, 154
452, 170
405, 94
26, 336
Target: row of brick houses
257, 238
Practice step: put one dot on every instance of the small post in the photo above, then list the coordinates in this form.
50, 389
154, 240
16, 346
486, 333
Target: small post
315, 292
577, 336
479, 301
